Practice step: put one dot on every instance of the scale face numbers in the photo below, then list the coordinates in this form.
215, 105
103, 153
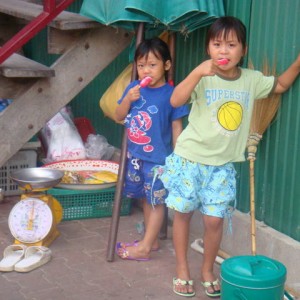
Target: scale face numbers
30, 220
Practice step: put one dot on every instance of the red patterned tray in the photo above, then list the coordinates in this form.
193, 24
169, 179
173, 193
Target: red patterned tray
85, 165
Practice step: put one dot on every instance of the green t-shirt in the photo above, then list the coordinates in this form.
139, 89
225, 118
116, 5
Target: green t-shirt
220, 117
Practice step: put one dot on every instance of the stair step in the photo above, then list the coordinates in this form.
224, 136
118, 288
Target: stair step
28, 11
11, 88
19, 66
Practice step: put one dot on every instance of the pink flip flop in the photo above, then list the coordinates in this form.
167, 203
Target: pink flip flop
123, 253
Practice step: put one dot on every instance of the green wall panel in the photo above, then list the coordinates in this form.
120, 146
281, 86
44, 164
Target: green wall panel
273, 35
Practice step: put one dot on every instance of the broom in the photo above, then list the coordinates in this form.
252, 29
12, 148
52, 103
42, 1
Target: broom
264, 111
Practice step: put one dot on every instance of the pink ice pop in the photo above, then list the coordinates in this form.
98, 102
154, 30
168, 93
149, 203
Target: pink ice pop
145, 81
223, 61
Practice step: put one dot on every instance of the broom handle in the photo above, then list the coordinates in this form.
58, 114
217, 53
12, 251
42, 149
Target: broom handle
252, 208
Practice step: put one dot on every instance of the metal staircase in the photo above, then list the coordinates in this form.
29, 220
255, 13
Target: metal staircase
39, 92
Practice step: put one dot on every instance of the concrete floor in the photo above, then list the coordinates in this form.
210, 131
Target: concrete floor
79, 270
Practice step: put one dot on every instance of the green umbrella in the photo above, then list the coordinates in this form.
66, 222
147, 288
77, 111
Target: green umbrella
177, 15
112, 13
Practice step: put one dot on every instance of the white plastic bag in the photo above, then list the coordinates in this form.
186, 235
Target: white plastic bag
62, 139
97, 147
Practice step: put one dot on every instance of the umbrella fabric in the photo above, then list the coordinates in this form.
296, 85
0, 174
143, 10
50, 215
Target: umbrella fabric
167, 12
112, 13
177, 15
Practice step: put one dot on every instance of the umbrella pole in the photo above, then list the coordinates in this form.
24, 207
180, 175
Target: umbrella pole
172, 41
113, 232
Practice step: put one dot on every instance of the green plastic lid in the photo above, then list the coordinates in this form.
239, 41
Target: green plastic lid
253, 271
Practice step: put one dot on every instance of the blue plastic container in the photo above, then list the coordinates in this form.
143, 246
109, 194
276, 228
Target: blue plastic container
252, 278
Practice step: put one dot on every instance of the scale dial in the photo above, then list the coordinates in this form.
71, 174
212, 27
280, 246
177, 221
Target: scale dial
30, 220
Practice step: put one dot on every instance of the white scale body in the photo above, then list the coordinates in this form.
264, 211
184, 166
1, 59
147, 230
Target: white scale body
33, 220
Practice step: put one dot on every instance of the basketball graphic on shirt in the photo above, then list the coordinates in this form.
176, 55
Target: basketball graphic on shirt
230, 115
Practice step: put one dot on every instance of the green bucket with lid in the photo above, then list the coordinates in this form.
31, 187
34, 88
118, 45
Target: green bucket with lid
252, 278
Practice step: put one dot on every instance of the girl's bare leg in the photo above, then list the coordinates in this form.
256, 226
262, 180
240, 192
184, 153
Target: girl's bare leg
181, 229
154, 217
213, 231
147, 209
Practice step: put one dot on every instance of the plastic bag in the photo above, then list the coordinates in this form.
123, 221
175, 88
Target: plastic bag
97, 147
61, 139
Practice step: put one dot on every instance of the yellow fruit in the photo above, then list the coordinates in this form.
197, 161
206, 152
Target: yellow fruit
105, 176
93, 181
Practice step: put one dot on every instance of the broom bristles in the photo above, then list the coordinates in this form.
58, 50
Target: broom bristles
265, 109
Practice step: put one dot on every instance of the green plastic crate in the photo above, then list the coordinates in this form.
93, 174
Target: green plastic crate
88, 204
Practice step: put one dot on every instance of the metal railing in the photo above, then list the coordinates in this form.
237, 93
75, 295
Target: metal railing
51, 8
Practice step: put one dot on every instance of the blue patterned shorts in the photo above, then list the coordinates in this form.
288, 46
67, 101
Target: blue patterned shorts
140, 182
193, 186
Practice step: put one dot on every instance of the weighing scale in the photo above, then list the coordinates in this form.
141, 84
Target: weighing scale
33, 220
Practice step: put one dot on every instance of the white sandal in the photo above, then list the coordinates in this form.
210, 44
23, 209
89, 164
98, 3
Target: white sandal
215, 293
12, 254
35, 256
179, 282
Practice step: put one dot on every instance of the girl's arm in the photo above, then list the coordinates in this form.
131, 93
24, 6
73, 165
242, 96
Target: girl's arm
124, 107
184, 89
176, 130
285, 80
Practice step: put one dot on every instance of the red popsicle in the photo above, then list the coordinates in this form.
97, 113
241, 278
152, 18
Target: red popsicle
223, 61
145, 81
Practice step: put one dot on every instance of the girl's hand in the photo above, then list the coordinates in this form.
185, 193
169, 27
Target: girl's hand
122, 110
133, 94
207, 68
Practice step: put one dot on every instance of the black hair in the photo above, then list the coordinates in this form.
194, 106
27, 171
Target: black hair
225, 25
155, 45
